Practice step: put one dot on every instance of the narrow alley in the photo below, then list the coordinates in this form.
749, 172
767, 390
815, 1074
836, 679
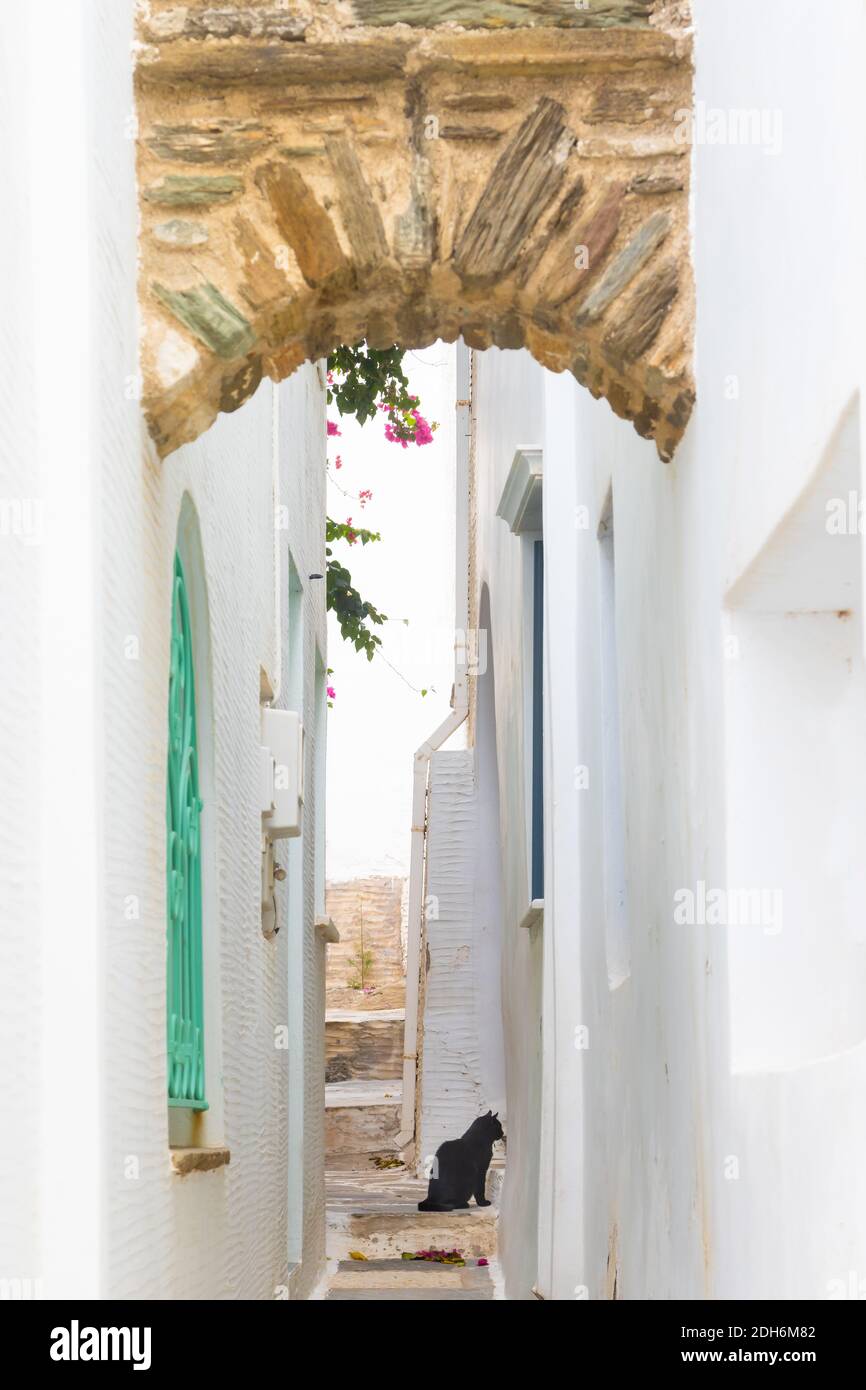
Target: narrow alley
433, 714
375, 1215
373, 1222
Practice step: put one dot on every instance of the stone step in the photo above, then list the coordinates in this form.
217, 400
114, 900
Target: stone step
376, 1214
361, 1131
343, 1094
363, 1162
384, 1231
409, 1295
365, 1016
363, 1045
410, 1274
426, 1269
392, 996
362, 1117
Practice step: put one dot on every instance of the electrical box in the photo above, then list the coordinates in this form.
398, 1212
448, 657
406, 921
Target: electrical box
266, 781
283, 740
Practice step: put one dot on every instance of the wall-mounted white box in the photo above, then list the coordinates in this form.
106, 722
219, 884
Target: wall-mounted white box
283, 738
266, 781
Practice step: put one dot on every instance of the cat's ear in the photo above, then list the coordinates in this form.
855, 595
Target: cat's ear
496, 1116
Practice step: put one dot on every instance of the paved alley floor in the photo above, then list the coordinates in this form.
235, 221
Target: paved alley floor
375, 1214
408, 1280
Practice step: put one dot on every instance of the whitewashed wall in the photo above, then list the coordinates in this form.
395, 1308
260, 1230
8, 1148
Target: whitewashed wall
69, 350
672, 1165
794, 1223
222, 1234
462, 1072
92, 1207
508, 400
21, 534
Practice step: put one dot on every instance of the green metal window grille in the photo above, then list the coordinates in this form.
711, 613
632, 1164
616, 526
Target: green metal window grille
185, 1002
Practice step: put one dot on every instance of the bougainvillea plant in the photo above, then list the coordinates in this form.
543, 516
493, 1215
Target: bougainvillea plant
353, 613
363, 381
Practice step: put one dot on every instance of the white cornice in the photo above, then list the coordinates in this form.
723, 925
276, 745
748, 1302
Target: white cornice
520, 503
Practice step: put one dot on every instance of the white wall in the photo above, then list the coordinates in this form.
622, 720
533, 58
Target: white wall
508, 400
21, 537
795, 1218
462, 1064
92, 1207
69, 344
223, 1234
378, 720
797, 982
666, 1169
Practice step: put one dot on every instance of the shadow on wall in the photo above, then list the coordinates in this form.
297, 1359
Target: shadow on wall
509, 963
796, 680
489, 909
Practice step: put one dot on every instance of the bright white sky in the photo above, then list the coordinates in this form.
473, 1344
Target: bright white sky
377, 721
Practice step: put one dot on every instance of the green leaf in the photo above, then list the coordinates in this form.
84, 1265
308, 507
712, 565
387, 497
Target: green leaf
364, 378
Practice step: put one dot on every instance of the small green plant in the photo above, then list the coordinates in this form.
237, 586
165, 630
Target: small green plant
363, 964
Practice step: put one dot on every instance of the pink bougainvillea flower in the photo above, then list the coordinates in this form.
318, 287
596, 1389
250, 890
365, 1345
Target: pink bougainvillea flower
332, 428
332, 694
483, 1262
422, 432
338, 461
392, 436
365, 496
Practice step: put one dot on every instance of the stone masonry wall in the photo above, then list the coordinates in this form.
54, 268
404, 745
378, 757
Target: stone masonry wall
405, 170
374, 906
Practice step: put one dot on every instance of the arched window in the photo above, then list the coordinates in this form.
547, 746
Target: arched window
185, 990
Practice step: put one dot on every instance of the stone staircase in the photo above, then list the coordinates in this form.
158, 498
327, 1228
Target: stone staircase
362, 1120
373, 1211
364, 1043
376, 1215
364, 1026
404, 1280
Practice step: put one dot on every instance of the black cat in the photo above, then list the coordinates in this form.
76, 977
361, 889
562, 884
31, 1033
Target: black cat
460, 1169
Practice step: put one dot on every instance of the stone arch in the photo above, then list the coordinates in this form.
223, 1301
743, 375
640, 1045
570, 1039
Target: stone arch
514, 171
